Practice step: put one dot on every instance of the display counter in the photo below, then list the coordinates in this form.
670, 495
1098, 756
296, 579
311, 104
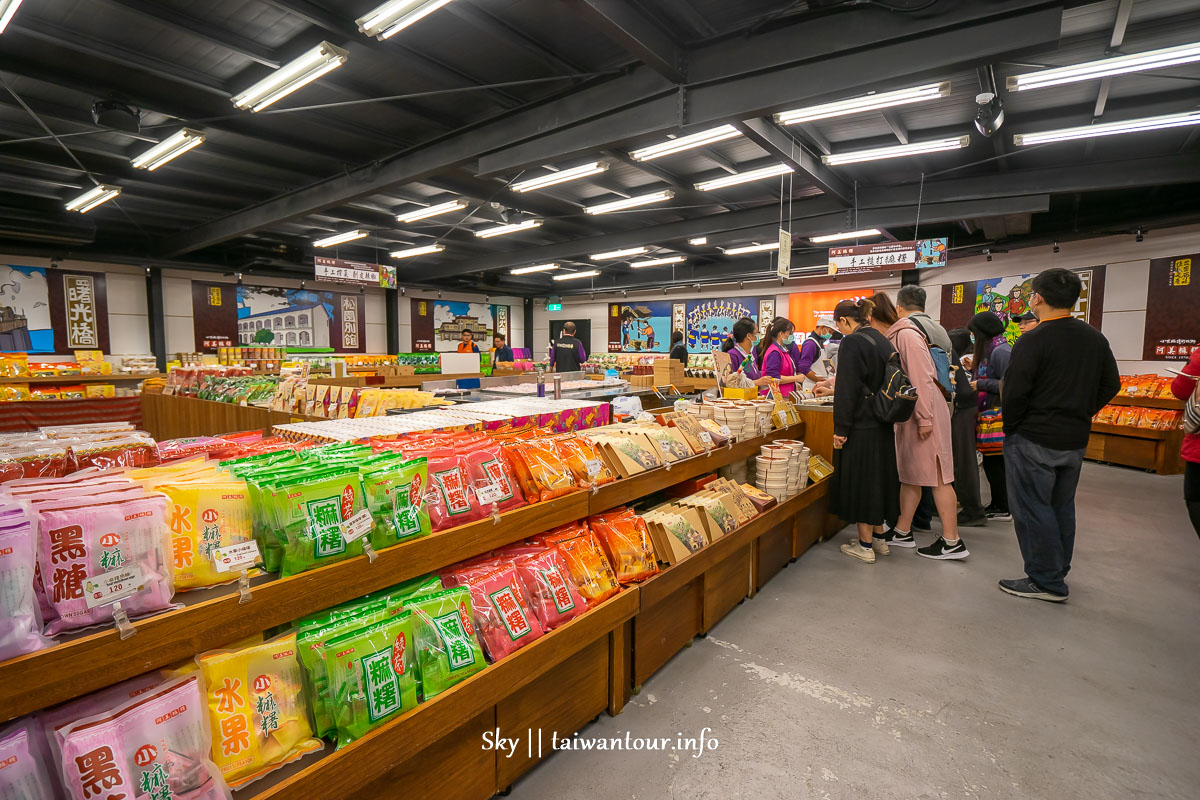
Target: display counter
166, 416
1131, 446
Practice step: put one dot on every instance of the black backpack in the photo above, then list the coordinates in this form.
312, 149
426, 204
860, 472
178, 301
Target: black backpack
896, 398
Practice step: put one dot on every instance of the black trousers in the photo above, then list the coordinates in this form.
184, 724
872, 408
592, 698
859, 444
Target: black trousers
1191, 492
993, 467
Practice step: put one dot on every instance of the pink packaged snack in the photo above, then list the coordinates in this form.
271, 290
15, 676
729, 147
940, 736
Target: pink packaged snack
553, 595
20, 615
450, 500
154, 747
501, 611
491, 477
25, 772
78, 545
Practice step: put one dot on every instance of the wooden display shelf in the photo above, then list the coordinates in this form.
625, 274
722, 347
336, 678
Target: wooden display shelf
1156, 451
168, 416
69, 379
1148, 402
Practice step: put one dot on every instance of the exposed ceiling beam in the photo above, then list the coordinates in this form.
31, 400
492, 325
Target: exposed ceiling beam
718, 159
199, 29
896, 123
781, 145
1120, 24
685, 191
636, 35
514, 36
813, 135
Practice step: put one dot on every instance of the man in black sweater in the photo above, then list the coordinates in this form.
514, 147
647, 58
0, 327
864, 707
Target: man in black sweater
1061, 373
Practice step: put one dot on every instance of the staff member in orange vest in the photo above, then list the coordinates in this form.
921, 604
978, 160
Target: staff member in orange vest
467, 345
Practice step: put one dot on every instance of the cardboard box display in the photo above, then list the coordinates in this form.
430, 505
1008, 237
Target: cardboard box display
628, 455
679, 534
726, 511
692, 431
669, 442
761, 500
818, 468
740, 501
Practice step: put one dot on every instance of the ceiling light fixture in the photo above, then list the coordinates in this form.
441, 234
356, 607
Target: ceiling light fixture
431, 211
611, 254
341, 238
897, 151
677, 145
418, 251
534, 268
562, 176
752, 248
658, 262
837, 237
631, 202
1118, 65
93, 197
8, 8
501, 230
591, 273
744, 177
1108, 129
870, 102
699, 240
390, 18
299, 73
170, 148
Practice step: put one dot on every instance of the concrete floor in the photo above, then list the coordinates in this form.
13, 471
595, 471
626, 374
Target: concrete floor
916, 679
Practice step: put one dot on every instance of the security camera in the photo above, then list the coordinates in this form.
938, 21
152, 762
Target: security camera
402, 291
989, 113
1056, 247
1139, 236
988, 253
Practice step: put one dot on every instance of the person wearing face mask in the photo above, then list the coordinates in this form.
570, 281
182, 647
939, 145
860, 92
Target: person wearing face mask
772, 357
806, 356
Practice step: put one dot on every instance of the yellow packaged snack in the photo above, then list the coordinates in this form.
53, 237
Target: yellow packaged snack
202, 516
257, 709
101, 390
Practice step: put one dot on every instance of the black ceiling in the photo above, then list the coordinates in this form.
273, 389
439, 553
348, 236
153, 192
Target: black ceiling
484, 92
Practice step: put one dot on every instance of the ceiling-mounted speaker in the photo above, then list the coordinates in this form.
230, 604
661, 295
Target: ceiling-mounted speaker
116, 115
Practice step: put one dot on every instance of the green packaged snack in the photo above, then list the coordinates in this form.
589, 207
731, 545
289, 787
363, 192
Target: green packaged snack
267, 507
393, 493
311, 650
447, 651
313, 511
372, 676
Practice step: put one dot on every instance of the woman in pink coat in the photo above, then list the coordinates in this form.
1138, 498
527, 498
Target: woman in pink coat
923, 448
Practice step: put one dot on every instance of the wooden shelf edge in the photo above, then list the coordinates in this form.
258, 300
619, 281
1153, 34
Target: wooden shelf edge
69, 379
1148, 402
1130, 431
344, 772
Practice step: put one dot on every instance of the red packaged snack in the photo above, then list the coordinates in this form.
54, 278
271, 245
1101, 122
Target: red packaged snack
502, 616
449, 498
627, 543
553, 595
491, 477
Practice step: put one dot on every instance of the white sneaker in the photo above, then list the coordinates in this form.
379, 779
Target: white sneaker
856, 550
880, 546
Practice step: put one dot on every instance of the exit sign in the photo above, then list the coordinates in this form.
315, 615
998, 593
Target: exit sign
554, 306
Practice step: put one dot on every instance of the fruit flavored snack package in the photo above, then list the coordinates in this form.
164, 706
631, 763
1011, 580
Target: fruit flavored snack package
451, 501
491, 476
203, 516
20, 615
395, 494
626, 541
26, 772
314, 511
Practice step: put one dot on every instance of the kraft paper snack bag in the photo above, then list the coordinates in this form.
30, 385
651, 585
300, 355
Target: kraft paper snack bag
25, 771
395, 495
202, 517
447, 651
550, 587
77, 545
257, 709
316, 509
372, 676
20, 616
156, 745
502, 614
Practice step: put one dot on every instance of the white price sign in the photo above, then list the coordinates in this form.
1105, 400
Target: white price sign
593, 467
109, 587
236, 557
725, 431
706, 438
357, 526
492, 493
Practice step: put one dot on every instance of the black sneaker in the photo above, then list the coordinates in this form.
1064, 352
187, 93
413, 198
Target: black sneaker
897, 539
971, 522
1024, 587
998, 514
943, 550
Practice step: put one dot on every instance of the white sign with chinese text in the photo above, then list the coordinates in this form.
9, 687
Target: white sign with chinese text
80, 294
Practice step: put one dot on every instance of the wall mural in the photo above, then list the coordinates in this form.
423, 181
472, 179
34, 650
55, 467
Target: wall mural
228, 315
437, 325
639, 327
1008, 297
52, 311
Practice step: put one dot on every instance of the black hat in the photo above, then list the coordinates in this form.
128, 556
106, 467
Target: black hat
986, 323
1028, 316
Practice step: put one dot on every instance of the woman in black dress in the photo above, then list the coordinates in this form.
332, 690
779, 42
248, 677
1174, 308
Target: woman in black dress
865, 487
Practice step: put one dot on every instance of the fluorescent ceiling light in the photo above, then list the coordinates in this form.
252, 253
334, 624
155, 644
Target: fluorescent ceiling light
897, 151
1119, 65
390, 18
658, 262
1108, 129
172, 147
304, 70
93, 197
431, 211
752, 248
562, 176
677, 145
501, 230
341, 238
534, 268
870, 102
744, 177
628, 251
631, 202
837, 237
591, 273
418, 251
8, 8
699, 240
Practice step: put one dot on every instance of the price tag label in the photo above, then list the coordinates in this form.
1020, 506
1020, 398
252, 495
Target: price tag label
357, 526
725, 431
492, 493
706, 438
665, 446
109, 587
236, 557
593, 467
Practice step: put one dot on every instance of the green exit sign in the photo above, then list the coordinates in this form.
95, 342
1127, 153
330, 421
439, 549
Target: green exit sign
554, 306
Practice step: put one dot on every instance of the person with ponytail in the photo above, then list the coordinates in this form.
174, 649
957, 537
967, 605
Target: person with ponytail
866, 487
773, 358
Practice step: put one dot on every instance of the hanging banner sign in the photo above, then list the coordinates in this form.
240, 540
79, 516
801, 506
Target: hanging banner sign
336, 270
886, 256
785, 254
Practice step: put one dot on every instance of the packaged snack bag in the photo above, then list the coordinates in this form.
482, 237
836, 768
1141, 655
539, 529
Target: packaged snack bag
588, 565
20, 615
154, 746
202, 517
502, 614
80, 544
395, 493
1129, 415
626, 542
447, 651
312, 531
492, 478
372, 676
25, 771
552, 592
257, 709
550, 477
311, 649
585, 462
450, 501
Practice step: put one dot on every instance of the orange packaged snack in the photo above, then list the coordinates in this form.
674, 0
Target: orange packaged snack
587, 564
584, 461
626, 541
1108, 415
546, 473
